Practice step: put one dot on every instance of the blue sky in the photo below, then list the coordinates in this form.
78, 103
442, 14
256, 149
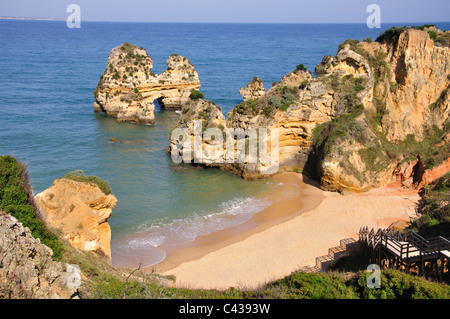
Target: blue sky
248, 11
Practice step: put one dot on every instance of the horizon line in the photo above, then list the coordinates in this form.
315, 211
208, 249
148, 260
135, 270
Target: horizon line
202, 22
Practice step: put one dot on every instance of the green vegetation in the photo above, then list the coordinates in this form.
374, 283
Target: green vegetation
433, 35
443, 40
274, 102
351, 42
391, 34
423, 27
435, 219
15, 199
330, 285
328, 134
195, 95
246, 107
79, 176
301, 67
346, 125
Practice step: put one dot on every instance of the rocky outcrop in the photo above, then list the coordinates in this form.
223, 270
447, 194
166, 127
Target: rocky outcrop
80, 211
27, 269
401, 83
253, 90
128, 88
350, 125
413, 85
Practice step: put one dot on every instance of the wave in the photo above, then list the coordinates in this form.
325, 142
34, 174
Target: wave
145, 244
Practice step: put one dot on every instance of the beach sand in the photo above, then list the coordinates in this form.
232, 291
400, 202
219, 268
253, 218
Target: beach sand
284, 237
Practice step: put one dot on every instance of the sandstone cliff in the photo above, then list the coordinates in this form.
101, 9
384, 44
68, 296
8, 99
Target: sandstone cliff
80, 211
128, 88
372, 107
27, 269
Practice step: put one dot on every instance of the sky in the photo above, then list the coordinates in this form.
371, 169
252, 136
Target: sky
233, 11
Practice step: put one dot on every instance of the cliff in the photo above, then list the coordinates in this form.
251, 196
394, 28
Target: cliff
27, 269
128, 88
79, 209
372, 107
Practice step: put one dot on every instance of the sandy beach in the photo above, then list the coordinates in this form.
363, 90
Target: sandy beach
286, 236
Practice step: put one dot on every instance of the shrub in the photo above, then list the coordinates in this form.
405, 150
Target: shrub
398, 285
301, 67
303, 85
391, 34
353, 44
287, 98
79, 176
359, 87
433, 34
274, 102
195, 95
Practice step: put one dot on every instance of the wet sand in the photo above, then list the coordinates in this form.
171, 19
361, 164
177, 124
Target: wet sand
301, 225
296, 196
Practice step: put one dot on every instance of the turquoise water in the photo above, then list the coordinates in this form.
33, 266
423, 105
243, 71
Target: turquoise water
49, 73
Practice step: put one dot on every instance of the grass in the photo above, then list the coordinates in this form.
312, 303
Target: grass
79, 176
16, 200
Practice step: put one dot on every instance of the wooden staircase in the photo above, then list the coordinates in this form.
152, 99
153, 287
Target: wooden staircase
406, 251
346, 246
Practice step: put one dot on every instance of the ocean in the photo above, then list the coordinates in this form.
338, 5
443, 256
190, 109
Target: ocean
49, 74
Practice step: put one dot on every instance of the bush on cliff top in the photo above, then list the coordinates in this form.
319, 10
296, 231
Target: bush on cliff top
195, 95
16, 200
79, 176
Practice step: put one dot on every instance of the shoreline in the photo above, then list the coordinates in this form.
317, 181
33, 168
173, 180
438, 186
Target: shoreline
305, 198
285, 236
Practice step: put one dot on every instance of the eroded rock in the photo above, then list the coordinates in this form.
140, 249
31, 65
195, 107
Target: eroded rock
128, 88
80, 211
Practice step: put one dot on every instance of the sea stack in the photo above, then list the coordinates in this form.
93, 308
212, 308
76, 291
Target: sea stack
128, 88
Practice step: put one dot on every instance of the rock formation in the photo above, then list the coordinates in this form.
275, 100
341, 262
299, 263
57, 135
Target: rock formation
370, 108
253, 90
128, 88
27, 269
79, 210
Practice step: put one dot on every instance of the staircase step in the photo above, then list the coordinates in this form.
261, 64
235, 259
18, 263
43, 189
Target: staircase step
337, 252
324, 262
309, 269
350, 245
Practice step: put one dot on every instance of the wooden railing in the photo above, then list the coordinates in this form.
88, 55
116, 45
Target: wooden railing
405, 246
